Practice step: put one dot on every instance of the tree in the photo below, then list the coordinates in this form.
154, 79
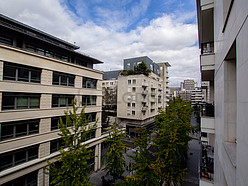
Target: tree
74, 156
144, 174
115, 161
173, 125
140, 69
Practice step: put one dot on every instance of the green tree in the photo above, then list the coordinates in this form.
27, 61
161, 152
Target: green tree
73, 161
142, 69
173, 125
144, 174
115, 161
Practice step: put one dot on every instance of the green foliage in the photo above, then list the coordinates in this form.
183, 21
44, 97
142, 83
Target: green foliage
140, 69
173, 126
115, 162
144, 175
74, 155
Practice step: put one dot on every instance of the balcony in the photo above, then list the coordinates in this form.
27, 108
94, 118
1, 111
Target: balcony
144, 84
207, 119
207, 56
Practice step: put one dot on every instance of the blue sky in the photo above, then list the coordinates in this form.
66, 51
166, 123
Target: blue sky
112, 30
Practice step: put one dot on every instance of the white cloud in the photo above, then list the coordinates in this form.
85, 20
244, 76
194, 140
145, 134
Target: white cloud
165, 38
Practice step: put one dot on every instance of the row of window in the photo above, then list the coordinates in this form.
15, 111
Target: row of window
14, 101
17, 129
129, 113
16, 72
129, 105
129, 82
17, 157
133, 89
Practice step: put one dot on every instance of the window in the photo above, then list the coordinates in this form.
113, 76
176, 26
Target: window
134, 89
11, 101
111, 83
89, 83
91, 161
47, 53
133, 104
133, 113
161, 68
134, 81
26, 180
129, 82
81, 63
56, 144
6, 40
128, 113
128, 98
88, 100
63, 79
61, 100
129, 89
17, 72
91, 116
103, 84
11, 159
17, 129
56, 120
128, 104
151, 67
133, 97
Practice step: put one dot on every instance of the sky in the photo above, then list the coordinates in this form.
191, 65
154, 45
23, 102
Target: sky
113, 30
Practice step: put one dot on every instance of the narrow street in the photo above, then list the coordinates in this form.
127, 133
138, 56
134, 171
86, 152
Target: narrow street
194, 153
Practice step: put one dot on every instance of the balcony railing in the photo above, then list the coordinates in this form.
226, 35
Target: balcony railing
207, 48
208, 110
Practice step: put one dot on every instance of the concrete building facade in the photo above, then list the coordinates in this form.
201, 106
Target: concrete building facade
223, 27
40, 75
139, 97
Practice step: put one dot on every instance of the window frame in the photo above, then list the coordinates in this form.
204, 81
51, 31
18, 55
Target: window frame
85, 99
60, 98
92, 85
60, 76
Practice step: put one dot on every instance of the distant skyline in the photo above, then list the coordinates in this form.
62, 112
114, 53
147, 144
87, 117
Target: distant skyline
113, 30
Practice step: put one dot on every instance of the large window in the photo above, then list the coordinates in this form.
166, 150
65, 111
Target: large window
59, 100
63, 79
12, 101
56, 120
14, 158
91, 161
56, 144
88, 100
18, 128
89, 83
17, 72
26, 180
47, 53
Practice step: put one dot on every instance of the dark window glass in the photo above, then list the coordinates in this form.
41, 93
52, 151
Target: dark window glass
63, 79
21, 130
6, 162
33, 127
35, 76
7, 131
20, 101
9, 73
24, 73
89, 83
62, 100
56, 144
88, 100
17, 157
6, 40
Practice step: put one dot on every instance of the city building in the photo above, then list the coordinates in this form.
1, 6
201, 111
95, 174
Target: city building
139, 97
223, 28
40, 75
189, 84
198, 96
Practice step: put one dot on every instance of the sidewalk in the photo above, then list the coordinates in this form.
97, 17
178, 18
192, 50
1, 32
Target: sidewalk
95, 177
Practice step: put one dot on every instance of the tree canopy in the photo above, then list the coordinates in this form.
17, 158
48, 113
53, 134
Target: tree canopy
74, 156
141, 68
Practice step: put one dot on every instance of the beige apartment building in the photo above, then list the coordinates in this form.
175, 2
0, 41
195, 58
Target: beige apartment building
139, 97
223, 28
40, 75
